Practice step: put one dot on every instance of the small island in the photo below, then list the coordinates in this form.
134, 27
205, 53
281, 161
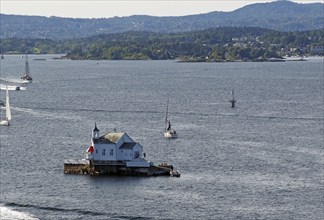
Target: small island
116, 153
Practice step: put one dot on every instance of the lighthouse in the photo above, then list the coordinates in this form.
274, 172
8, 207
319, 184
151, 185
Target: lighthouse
95, 133
115, 153
94, 137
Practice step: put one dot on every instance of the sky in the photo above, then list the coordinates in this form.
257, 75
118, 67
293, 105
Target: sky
120, 8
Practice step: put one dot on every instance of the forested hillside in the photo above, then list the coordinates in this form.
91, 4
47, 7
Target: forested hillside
280, 15
218, 44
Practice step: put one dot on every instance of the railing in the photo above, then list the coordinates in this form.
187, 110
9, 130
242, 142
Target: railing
108, 162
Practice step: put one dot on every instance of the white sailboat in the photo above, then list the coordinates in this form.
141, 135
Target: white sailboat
8, 112
26, 78
169, 132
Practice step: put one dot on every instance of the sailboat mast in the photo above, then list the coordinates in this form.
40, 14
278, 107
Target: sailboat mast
26, 66
233, 99
166, 114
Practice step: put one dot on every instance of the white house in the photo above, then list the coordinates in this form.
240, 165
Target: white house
115, 147
116, 153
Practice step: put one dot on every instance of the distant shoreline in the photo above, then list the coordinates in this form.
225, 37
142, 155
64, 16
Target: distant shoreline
45, 57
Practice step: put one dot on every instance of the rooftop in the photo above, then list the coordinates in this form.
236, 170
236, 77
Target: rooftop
113, 137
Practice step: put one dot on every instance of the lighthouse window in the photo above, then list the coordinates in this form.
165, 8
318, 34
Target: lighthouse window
112, 152
103, 152
136, 155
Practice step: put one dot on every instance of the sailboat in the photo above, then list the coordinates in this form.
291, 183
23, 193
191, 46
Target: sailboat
26, 78
169, 132
233, 101
8, 112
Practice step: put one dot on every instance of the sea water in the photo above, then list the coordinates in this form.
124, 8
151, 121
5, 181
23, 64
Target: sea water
262, 159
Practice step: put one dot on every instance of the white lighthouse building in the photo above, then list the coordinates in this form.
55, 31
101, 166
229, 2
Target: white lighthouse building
115, 153
115, 148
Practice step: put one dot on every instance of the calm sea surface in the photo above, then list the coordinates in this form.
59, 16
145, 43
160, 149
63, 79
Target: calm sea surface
260, 160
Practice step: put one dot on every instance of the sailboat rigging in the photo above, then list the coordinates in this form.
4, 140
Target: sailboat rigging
26, 78
233, 101
169, 132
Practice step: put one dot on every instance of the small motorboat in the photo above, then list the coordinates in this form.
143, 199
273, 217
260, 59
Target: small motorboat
174, 173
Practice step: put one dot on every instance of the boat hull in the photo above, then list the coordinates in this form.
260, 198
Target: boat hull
170, 134
4, 123
26, 81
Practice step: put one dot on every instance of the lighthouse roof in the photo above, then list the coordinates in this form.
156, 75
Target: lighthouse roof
114, 136
110, 138
95, 128
102, 140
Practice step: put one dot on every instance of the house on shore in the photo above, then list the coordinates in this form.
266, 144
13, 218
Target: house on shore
115, 153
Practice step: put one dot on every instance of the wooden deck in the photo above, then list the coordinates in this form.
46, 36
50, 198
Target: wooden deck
75, 166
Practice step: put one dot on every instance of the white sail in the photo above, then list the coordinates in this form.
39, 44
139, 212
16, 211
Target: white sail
169, 132
8, 112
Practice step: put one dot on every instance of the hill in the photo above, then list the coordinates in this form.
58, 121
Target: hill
217, 44
279, 15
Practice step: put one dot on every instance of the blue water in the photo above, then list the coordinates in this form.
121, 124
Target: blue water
260, 160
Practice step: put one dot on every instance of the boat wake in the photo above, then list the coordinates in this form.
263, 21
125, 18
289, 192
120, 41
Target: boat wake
6, 213
22, 215
308, 118
45, 114
10, 214
10, 80
87, 110
287, 118
12, 87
